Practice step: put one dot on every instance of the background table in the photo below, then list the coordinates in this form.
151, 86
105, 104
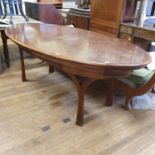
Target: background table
17, 19
137, 32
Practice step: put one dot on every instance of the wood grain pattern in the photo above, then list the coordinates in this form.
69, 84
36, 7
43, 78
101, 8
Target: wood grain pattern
106, 15
46, 99
81, 49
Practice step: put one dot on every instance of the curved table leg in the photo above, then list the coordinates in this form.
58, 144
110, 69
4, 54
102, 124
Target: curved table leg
5, 48
81, 86
22, 64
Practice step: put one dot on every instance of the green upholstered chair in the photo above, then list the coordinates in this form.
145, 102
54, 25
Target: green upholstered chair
136, 84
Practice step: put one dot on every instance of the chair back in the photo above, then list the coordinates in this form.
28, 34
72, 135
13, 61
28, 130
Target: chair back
49, 14
44, 12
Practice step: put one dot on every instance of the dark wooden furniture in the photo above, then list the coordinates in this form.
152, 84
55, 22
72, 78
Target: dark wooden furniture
138, 33
45, 12
84, 55
106, 15
79, 18
5, 47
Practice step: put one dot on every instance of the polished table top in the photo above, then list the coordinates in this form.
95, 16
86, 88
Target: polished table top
78, 47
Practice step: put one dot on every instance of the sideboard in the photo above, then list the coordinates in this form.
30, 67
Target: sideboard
80, 18
138, 33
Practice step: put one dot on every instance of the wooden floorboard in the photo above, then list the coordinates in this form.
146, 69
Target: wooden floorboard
37, 117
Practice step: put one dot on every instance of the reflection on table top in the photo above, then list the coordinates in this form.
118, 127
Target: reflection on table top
16, 19
78, 46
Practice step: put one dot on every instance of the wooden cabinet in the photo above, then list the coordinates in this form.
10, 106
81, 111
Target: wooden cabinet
44, 12
106, 15
79, 21
57, 3
79, 18
137, 34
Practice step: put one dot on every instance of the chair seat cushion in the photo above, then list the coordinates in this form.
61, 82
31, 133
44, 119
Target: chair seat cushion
138, 77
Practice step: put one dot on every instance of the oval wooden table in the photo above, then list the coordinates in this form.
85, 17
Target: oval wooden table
84, 55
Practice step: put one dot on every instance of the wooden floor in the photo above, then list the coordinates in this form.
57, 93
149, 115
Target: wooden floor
37, 117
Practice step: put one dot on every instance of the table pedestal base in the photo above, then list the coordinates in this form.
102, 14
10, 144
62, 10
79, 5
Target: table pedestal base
81, 85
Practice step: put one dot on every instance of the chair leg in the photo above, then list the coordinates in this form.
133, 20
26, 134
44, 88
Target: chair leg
51, 69
128, 100
109, 93
22, 64
153, 89
5, 48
